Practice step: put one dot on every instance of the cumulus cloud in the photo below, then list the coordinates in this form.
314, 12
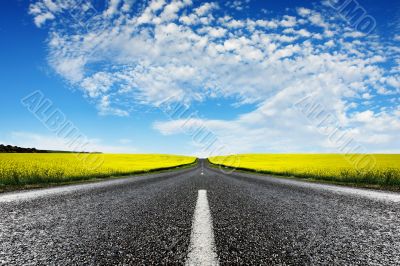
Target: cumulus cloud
238, 5
186, 52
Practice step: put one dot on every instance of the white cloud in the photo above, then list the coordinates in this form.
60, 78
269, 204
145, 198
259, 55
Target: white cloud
367, 96
97, 84
288, 21
394, 82
106, 108
214, 32
112, 7
377, 59
70, 68
276, 126
366, 116
238, 5
267, 24
205, 9
354, 34
234, 23
317, 19
42, 18
192, 52
127, 5
188, 20
303, 11
45, 10
330, 43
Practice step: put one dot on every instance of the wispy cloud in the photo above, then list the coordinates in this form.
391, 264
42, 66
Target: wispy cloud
136, 54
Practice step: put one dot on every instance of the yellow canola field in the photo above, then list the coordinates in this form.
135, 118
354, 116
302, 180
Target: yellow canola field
34, 168
380, 169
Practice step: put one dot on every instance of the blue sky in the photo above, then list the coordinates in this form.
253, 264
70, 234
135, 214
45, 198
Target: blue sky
117, 68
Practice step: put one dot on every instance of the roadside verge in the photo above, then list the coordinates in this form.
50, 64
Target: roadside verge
10, 188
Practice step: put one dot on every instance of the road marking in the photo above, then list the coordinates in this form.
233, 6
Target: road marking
202, 248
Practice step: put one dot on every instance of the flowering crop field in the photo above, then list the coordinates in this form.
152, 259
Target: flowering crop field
28, 168
383, 170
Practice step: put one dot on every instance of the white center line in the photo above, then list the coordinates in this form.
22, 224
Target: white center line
202, 248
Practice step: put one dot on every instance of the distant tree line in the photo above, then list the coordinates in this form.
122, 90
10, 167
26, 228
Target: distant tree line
16, 149
9, 148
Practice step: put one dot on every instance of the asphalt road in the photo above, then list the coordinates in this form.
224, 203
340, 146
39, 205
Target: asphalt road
256, 220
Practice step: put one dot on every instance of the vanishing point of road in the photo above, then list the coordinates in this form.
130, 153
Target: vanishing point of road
200, 216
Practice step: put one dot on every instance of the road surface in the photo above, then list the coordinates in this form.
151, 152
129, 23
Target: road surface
200, 216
